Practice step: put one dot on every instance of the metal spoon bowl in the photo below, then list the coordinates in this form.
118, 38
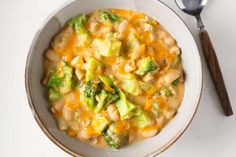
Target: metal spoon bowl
194, 8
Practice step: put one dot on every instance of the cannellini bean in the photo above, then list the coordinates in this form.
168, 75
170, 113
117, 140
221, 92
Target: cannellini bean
149, 133
62, 39
169, 41
130, 66
147, 27
169, 114
52, 56
148, 78
175, 50
162, 34
171, 75
93, 141
122, 28
62, 125
113, 112
57, 106
160, 120
94, 26
85, 122
79, 73
173, 91
84, 134
67, 113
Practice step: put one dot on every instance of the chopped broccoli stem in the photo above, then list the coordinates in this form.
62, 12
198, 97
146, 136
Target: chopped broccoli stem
141, 118
125, 107
91, 67
146, 65
132, 86
53, 95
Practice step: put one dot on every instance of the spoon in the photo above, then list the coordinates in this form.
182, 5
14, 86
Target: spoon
194, 8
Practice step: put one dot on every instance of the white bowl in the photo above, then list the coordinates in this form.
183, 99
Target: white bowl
191, 62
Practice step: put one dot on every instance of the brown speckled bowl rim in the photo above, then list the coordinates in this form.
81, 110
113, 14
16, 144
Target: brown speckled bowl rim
46, 131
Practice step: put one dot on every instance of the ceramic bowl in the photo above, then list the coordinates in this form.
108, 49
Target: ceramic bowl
191, 62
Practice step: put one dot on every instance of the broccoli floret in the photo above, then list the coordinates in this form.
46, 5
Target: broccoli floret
89, 90
110, 17
113, 138
105, 98
125, 107
79, 23
146, 65
61, 81
141, 118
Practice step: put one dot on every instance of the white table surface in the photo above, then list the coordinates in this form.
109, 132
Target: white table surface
210, 133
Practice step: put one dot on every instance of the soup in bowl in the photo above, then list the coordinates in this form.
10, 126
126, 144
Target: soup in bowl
113, 77
116, 98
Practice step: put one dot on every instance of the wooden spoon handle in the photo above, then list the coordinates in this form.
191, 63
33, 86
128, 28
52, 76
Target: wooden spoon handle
213, 65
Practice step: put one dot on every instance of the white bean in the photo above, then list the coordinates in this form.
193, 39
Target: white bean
122, 28
175, 50
148, 78
169, 114
113, 112
84, 134
169, 41
171, 76
52, 56
67, 113
62, 125
79, 73
149, 133
130, 66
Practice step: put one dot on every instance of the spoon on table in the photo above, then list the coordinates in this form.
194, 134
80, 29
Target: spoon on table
194, 8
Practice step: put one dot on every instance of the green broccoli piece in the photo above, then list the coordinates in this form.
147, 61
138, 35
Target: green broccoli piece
107, 47
61, 81
105, 98
166, 91
113, 138
125, 107
79, 23
141, 118
106, 80
132, 86
100, 123
91, 67
110, 17
53, 95
89, 90
146, 65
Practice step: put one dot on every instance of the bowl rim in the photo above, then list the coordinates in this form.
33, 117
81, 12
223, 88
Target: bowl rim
42, 125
